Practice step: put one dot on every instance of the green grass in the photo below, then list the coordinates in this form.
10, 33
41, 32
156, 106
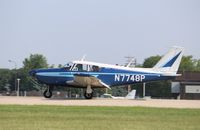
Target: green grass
15, 117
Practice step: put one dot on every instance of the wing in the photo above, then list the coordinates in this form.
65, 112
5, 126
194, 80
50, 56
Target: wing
85, 80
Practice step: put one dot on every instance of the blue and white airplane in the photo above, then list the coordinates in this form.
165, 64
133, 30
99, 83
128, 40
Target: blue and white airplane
91, 75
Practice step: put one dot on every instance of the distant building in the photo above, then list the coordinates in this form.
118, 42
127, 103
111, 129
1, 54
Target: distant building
186, 86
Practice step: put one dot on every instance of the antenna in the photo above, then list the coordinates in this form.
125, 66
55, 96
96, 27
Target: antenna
83, 58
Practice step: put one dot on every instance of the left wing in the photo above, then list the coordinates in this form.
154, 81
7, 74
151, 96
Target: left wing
85, 80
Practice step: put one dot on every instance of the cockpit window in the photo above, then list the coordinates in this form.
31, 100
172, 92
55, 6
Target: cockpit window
80, 67
68, 66
95, 68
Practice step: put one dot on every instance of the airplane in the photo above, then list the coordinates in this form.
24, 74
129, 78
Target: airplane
91, 75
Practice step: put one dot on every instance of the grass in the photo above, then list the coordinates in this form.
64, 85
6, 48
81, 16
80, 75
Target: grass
16, 117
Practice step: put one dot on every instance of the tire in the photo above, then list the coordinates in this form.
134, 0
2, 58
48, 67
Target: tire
88, 95
47, 94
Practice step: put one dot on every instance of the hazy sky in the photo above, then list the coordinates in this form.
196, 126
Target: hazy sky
104, 30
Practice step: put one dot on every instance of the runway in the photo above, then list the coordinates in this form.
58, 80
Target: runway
161, 103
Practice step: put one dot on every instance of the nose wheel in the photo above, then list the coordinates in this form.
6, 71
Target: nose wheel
48, 92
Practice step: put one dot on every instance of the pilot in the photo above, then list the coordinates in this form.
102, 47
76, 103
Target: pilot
80, 67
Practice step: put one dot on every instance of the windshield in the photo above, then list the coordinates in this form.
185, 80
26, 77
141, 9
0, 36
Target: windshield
81, 67
68, 66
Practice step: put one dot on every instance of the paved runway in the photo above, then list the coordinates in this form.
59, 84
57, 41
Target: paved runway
100, 102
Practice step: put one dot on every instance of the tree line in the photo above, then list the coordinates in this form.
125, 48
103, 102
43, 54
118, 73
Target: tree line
35, 61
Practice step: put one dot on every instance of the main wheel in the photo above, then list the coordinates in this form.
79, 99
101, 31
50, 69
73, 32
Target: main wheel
47, 93
88, 95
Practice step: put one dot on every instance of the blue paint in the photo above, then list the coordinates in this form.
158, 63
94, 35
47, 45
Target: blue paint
171, 62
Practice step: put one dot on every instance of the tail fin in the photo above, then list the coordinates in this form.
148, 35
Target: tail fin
170, 62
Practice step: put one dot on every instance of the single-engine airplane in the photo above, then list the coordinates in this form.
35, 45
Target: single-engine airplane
90, 75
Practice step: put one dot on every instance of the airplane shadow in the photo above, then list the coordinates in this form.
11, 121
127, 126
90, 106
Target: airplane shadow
62, 98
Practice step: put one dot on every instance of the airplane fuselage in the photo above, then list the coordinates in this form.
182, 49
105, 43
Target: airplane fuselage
111, 77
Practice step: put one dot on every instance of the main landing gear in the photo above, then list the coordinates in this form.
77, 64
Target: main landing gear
88, 93
48, 92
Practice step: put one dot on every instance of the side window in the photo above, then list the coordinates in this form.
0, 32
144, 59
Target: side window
95, 68
80, 67
85, 67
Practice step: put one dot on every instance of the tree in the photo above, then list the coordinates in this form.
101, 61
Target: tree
7, 78
197, 65
187, 64
60, 66
151, 61
35, 61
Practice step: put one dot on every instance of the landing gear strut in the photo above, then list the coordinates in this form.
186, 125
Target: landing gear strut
48, 92
88, 93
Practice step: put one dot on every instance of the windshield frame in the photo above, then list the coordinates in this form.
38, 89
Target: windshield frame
68, 66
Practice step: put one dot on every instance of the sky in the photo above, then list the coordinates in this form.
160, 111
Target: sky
104, 30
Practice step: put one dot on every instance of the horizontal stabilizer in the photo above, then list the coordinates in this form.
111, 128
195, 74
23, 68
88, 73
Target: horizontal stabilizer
166, 74
131, 95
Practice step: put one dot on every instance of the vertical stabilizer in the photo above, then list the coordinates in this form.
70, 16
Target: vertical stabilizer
170, 62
